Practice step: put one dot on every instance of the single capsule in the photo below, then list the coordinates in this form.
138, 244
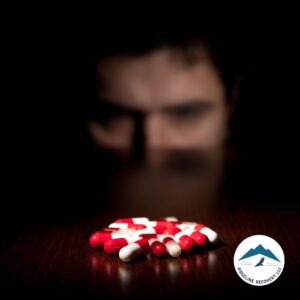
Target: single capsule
133, 250
199, 238
173, 247
211, 234
113, 246
185, 242
98, 238
158, 248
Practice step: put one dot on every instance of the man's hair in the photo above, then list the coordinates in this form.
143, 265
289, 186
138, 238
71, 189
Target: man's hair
218, 46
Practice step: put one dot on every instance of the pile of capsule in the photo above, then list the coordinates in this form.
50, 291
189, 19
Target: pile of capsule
132, 237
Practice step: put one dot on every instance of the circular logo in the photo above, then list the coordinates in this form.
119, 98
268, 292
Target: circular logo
259, 260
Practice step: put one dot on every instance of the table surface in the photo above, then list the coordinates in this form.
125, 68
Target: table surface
54, 258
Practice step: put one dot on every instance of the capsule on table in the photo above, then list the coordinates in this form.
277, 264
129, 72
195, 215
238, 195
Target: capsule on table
132, 226
185, 242
199, 238
172, 230
173, 247
133, 250
158, 248
113, 246
159, 226
98, 238
147, 230
211, 234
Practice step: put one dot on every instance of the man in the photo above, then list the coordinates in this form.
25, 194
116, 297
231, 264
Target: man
175, 91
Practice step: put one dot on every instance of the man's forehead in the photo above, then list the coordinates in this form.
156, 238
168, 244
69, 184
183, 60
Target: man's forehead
156, 80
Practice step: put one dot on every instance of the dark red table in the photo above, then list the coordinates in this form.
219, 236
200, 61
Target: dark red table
54, 258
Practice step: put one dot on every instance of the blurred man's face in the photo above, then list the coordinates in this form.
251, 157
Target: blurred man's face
158, 100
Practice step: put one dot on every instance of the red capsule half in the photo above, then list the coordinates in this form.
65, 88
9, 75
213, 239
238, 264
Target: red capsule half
113, 246
159, 249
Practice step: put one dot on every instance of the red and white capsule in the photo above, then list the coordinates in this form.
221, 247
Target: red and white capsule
211, 234
158, 248
131, 226
147, 230
172, 230
173, 247
185, 242
133, 250
199, 238
113, 246
98, 238
159, 226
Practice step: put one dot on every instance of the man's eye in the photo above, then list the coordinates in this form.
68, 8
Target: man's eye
186, 112
190, 113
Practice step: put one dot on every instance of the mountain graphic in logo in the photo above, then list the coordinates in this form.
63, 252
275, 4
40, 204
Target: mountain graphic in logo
259, 250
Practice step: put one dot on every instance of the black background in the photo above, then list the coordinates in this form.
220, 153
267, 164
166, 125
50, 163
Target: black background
50, 176
46, 157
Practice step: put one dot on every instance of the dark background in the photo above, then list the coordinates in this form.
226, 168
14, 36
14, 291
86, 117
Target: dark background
54, 185
48, 157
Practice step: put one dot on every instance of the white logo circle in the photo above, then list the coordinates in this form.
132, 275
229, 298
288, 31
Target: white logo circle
259, 260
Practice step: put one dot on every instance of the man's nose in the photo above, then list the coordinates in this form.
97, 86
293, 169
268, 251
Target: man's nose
148, 133
153, 131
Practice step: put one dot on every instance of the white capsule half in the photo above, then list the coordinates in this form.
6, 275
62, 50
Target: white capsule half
129, 252
140, 220
118, 225
173, 249
148, 230
211, 235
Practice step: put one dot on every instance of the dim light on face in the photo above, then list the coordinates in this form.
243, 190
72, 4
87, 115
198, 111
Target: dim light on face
159, 100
